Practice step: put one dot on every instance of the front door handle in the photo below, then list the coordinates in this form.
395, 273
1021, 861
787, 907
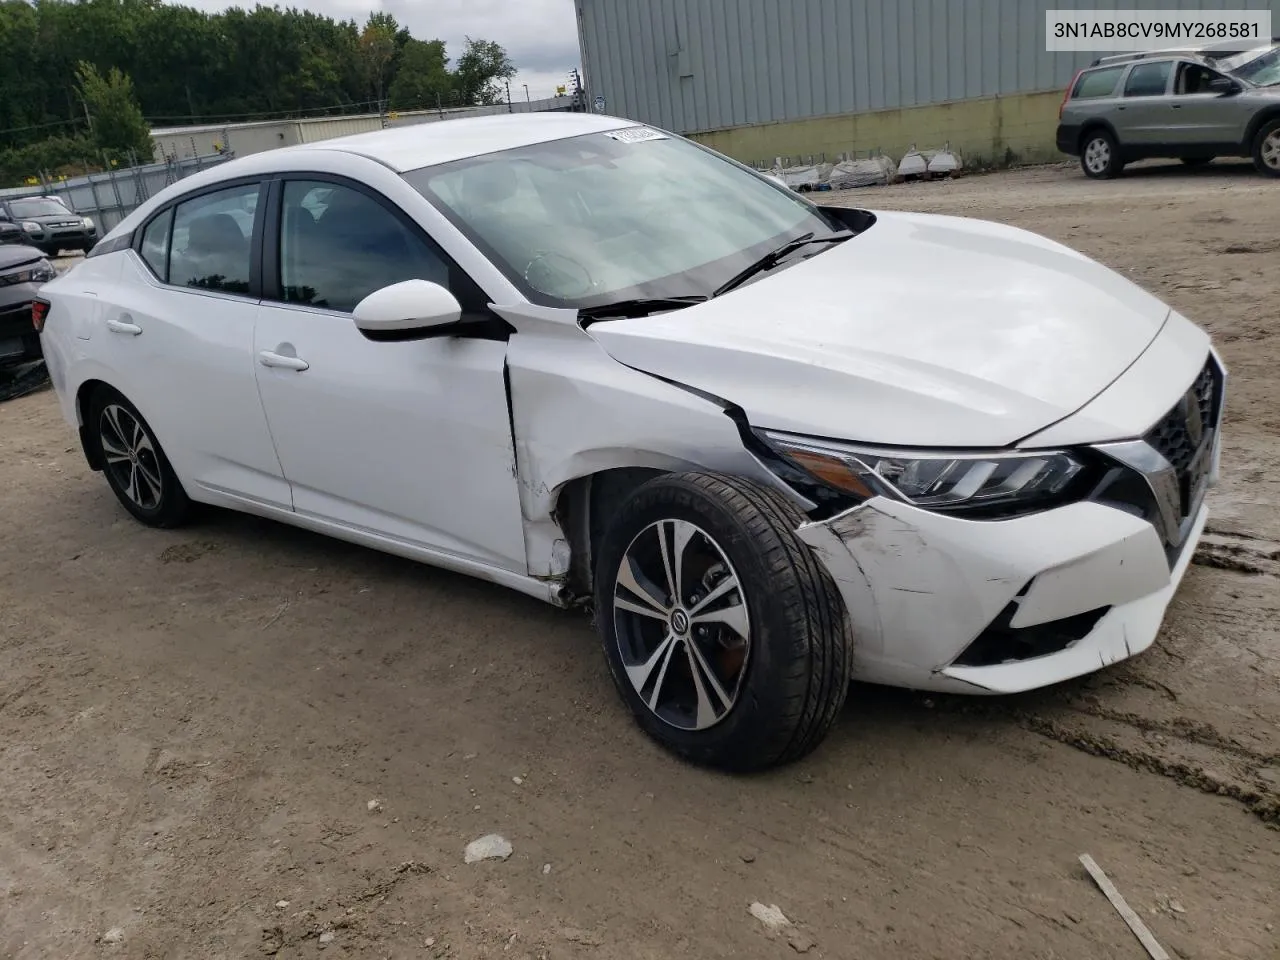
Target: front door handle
124, 325
269, 359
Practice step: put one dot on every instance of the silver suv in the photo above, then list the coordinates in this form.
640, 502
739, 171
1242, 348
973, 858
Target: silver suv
1189, 105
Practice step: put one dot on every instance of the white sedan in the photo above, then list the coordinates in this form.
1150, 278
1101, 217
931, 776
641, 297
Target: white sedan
777, 445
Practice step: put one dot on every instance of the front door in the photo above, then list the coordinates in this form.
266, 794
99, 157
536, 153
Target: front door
1203, 115
410, 440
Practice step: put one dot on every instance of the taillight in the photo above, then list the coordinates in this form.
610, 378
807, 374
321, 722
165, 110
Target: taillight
1067, 96
39, 313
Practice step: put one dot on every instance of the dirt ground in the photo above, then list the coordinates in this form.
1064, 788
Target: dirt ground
193, 724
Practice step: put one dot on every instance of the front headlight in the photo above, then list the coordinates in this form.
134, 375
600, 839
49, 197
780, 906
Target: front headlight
88, 224
41, 272
944, 480
30, 226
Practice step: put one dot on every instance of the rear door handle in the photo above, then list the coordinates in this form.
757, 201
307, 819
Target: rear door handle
124, 325
269, 359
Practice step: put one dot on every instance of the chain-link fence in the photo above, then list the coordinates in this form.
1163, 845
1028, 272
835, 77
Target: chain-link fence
110, 196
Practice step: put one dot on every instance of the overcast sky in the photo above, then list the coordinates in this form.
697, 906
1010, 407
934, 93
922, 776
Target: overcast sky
540, 36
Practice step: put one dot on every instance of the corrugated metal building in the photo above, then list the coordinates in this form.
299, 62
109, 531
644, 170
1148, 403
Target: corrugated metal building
765, 78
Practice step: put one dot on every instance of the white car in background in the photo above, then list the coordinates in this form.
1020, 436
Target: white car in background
778, 445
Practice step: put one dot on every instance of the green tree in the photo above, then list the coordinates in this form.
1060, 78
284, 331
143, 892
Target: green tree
378, 50
482, 70
421, 77
115, 117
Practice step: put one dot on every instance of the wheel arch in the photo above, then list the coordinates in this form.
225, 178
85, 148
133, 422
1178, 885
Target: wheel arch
1091, 126
583, 508
1260, 119
84, 395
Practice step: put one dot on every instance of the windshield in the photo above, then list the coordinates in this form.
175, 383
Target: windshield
37, 207
1263, 71
631, 213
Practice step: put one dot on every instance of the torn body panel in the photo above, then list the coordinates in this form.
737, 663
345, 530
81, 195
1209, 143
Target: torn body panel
922, 587
576, 412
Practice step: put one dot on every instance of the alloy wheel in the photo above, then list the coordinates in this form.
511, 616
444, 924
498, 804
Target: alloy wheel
682, 627
130, 457
1097, 155
1271, 150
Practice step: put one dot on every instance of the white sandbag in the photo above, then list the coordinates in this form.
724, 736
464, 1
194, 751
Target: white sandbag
871, 171
913, 164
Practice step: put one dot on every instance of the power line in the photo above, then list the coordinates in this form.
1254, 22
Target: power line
40, 126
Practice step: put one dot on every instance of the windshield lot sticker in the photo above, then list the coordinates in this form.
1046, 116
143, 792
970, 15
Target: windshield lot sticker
637, 135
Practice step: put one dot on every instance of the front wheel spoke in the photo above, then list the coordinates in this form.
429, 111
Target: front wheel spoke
639, 674
627, 578
704, 677
721, 589
642, 610
734, 617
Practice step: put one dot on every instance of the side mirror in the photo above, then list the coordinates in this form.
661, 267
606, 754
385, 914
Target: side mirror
408, 310
1224, 86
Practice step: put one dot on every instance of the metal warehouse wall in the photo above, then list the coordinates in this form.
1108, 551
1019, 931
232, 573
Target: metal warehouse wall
698, 65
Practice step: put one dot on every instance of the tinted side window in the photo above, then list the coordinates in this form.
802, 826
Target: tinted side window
1097, 83
1148, 79
338, 245
155, 245
213, 239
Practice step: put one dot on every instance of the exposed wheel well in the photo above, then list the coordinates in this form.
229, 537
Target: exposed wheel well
83, 397
583, 511
1257, 123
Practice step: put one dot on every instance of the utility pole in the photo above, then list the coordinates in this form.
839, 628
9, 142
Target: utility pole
526, 94
508, 83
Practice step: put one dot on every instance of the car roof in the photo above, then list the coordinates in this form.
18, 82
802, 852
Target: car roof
441, 141
400, 148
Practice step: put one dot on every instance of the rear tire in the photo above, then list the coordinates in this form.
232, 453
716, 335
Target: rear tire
743, 661
135, 465
1100, 155
1266, 149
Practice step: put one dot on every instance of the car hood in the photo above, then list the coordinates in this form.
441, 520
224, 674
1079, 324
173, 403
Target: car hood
924, 330
12, 255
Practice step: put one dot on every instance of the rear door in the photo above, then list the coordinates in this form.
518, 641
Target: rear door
176, 334
1144, 104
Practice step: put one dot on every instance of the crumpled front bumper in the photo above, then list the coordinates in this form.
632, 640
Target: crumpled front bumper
942, 603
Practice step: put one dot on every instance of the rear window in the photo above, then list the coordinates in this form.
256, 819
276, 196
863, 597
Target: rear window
1148, 79
1097, 83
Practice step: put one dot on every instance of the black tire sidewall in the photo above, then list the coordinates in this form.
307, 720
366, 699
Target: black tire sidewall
1264, 131
762, 697
174, 505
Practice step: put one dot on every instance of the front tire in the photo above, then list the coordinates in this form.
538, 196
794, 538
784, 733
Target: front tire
135, 465
724, 635
1266, 149
1100, 155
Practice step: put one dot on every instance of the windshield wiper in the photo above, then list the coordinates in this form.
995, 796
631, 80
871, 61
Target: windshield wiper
774, 257
639, 306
